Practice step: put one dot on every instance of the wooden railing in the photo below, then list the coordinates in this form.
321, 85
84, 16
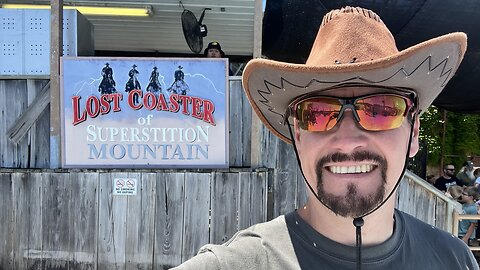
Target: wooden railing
456, 218
423, 201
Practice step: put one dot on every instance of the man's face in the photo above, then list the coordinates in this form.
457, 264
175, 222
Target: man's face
449, 170
353, 169
213, 53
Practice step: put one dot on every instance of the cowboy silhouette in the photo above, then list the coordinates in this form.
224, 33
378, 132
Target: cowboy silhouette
133, 82
179, 86
107, 85
154, 86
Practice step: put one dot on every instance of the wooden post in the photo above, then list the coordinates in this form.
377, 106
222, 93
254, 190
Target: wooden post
257, 53
56, 50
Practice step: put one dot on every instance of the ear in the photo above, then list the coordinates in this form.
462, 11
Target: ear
416, 130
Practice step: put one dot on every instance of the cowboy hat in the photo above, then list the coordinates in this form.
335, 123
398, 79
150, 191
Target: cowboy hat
353, 46
214, 45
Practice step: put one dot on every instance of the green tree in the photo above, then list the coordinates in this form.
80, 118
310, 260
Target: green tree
462, 136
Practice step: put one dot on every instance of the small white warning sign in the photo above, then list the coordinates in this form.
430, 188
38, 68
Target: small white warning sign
124, 186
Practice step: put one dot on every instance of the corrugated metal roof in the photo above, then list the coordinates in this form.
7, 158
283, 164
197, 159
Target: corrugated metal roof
230, 22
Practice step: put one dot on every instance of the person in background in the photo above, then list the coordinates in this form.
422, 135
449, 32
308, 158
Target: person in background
448, 179
476, 173
466, 227
214, 50
465, 175
431, 179
455, 192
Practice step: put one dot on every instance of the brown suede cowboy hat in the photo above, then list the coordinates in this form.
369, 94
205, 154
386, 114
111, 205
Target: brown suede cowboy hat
353, 46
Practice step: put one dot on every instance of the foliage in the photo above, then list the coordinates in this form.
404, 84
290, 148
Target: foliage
462, 136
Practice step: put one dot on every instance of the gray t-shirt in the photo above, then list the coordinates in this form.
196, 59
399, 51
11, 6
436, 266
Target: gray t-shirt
413, 245
287, 245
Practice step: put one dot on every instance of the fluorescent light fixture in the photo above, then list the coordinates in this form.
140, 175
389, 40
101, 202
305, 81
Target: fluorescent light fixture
93, 10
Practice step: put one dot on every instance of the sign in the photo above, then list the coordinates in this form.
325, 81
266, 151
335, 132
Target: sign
124, 186
144, 112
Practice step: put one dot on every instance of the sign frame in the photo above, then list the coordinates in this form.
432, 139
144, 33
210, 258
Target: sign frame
209, 137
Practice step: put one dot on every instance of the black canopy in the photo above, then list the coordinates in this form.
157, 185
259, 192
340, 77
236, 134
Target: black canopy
290, 27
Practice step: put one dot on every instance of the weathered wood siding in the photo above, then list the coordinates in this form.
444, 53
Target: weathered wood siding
33, 150
72, 220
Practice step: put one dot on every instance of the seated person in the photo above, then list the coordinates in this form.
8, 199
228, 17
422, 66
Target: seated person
466, 227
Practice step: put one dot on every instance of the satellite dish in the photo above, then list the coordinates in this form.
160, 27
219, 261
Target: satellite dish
193, 30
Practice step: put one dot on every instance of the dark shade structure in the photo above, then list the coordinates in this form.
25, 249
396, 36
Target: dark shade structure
290, 27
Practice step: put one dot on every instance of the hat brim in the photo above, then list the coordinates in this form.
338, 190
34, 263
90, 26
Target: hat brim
425, 68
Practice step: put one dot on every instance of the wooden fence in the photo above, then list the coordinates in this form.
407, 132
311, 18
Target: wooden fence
70, 219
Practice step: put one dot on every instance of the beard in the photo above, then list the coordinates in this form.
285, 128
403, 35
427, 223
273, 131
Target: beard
352, 204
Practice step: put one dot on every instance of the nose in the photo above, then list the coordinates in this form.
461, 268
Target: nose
349, 136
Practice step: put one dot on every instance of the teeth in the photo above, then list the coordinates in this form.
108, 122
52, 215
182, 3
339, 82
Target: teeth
365, 168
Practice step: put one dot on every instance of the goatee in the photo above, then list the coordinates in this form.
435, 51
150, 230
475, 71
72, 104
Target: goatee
352, 204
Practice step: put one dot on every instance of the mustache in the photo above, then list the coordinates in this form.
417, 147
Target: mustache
355, 156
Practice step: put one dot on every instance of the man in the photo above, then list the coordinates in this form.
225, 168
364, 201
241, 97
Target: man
466, 227
214, 50
465, 175
352, 115
448, 179
476, 173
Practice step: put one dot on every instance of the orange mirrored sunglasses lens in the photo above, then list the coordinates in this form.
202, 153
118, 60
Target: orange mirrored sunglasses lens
319, 114
381, 112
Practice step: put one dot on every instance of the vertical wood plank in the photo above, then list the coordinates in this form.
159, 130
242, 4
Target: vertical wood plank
246, 128
112, 224
235, 125
19, 104
224, 194
20, 218
424, 205
84, 220
240, 126
6, 220
14, 100
39, 134
169, 220
3, 124
56, 40
267, 148
245, 202
140, 223
257, 29
441, 220
252, 207
284, 193
56, 220
28, 193
196, 213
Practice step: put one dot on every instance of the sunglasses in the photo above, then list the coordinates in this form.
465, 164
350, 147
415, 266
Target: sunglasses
450, 169
374, 112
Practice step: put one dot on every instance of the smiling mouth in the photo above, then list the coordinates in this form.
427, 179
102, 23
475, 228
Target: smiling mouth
364, 168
